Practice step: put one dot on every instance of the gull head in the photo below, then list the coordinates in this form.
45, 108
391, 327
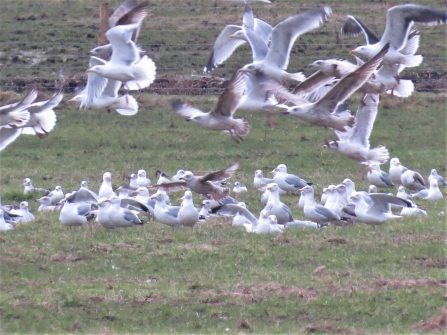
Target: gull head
188, 175
365, 51
141, 173
84, 184
395, 161
187, 195
107, 176
27, 182
239, 35
273, 220
24, 205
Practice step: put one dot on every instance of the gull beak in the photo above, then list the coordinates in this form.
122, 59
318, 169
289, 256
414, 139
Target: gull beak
133, 193
353, 52
180, 199
153, 196
88, 71
107, 200
399, 163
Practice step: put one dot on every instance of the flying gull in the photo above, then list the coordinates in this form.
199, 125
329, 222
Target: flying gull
399, 20
354, 143
283, 37
108, 99
203, 185
322, 112
125, 65
221, 116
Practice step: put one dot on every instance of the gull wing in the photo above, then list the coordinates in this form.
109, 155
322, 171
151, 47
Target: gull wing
122, 10
172, 186
135, 15
351, 82
224, 46
95, 83
354, 27
399, 20
258, 44
184, 109
230, 97
364, 120
221, 175
124, 50
8, 135
285, 33
232, 209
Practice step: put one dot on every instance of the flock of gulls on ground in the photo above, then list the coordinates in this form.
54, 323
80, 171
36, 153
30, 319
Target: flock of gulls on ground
259, 86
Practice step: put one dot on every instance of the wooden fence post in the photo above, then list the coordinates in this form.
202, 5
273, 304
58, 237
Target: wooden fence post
103, 23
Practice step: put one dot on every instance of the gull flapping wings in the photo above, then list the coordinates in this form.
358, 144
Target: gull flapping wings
16, 114
221, 175
285, 33
354, 27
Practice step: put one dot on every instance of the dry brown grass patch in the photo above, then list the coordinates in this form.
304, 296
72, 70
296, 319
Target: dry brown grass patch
432, 263
266, 290
284, 240
406, 283
337, 240
326, 329
244, 324
69, 258
437, 323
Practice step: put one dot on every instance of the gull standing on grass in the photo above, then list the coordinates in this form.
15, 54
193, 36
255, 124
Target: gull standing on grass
121, 217
3, 225
286, 181
74, 213
396, 170
221, 116
25, 214
431, 194
142, 179
28, 187
164, 213
434, 175
354, 143
413, 180
106, 189
276, 207
377, 177
187, 215
315, 212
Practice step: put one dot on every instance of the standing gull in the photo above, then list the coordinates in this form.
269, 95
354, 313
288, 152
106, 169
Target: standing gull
396, 170
187, 215
286, 181
377, 177
434, 175
315, 212
221, 116
106, 189
413, 180
432, 194
165, 214
276, 207
121, 217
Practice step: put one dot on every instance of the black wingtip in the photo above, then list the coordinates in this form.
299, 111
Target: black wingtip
176, 104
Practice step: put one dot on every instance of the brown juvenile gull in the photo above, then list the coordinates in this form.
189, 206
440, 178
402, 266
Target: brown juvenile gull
221, 116
203, 185
129, 12
354, 143
322, 112
399, 20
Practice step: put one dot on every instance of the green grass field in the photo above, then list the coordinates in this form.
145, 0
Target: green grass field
214, 278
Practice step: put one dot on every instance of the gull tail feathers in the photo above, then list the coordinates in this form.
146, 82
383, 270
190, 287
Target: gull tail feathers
340, 121
42, 124
299, 76
146, 70
404, 89
379, 155
128, 105
412, 60
241, 127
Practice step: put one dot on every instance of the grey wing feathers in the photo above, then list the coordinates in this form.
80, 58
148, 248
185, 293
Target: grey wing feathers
295, 181
131, 217
184, 109
354, 27
222, 175
232, 209
386, 178
122, 10
323, 211
83, 209
351, 82
224, 46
